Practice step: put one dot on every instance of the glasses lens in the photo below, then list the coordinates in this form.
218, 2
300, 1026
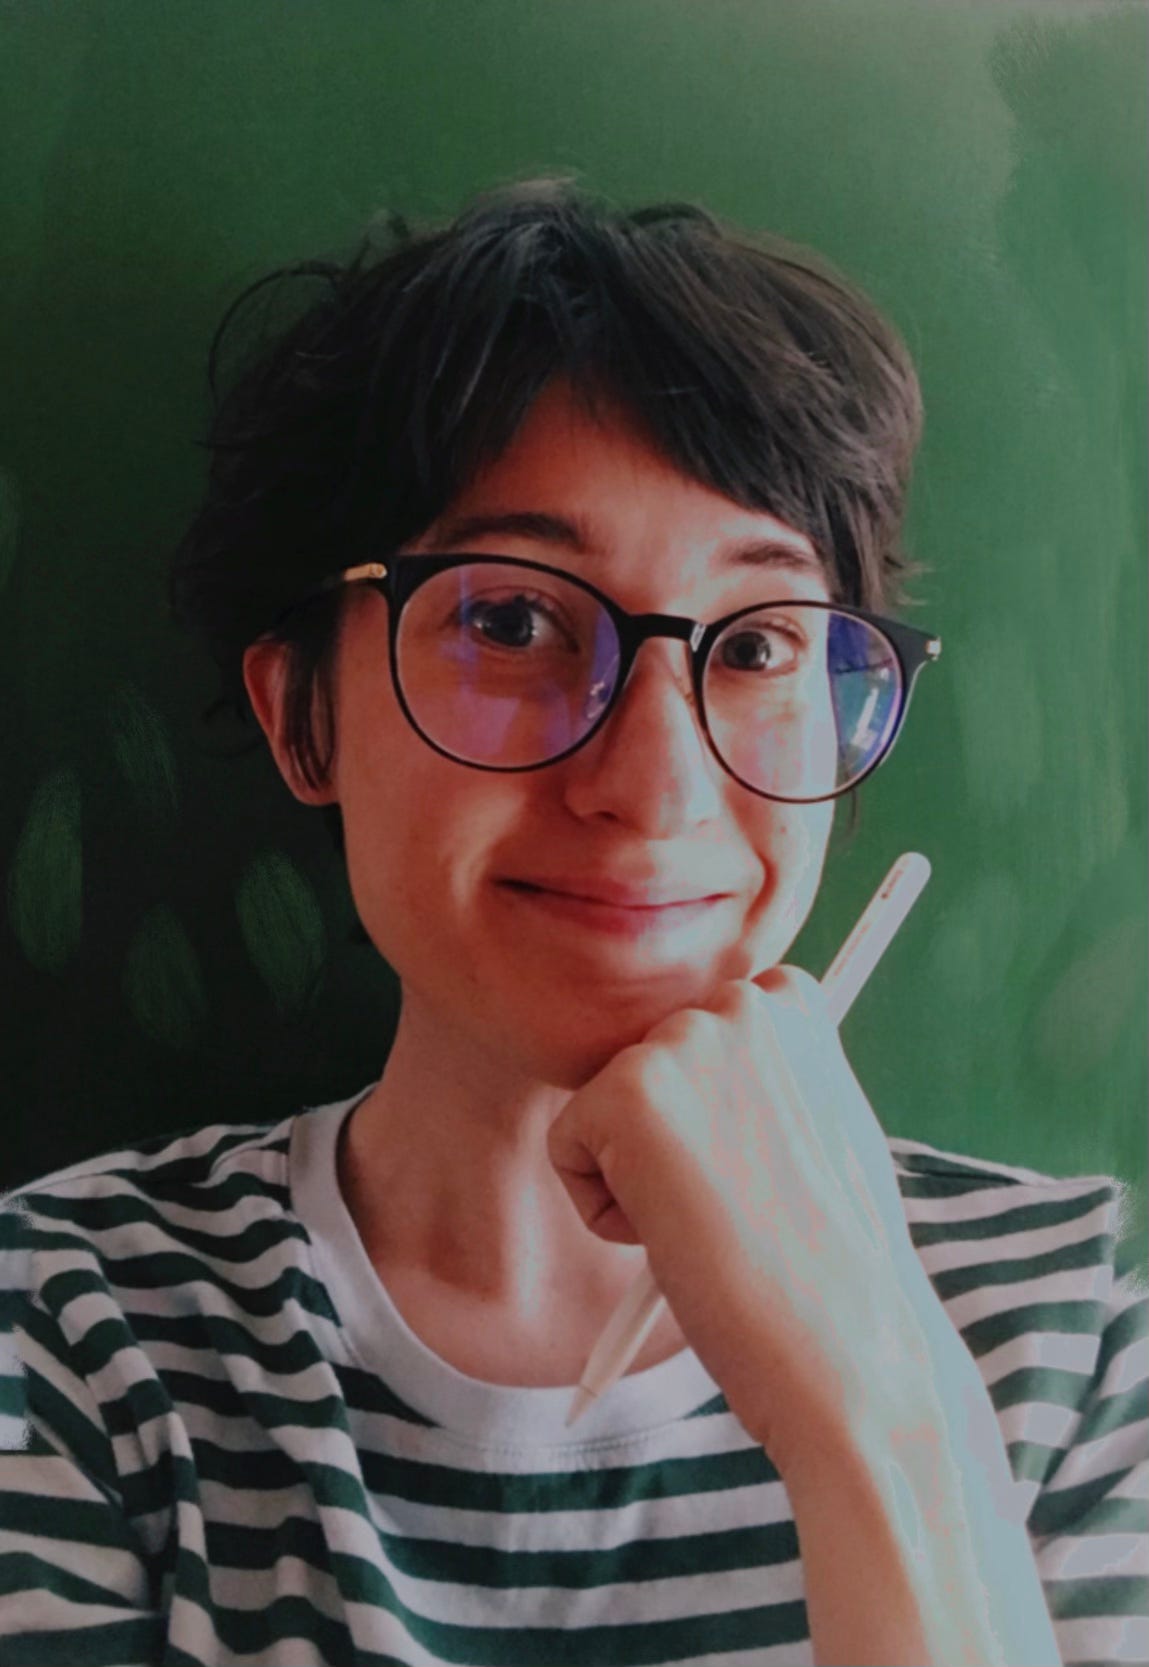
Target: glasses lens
504, 666
802, 701
509, 667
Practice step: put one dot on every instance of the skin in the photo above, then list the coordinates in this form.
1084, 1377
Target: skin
505, 1012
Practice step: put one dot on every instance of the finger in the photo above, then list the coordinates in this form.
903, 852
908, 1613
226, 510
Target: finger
599, 1208
793, 986
792, 1009
790, 1056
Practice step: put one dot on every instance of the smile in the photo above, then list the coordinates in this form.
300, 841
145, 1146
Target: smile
638, 922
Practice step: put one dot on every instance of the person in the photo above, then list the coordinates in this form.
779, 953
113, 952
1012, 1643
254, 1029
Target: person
555, 550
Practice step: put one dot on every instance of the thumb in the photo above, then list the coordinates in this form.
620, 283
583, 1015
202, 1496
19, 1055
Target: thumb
582, 1160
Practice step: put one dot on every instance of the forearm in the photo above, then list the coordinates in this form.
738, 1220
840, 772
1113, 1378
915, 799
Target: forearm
910, 1554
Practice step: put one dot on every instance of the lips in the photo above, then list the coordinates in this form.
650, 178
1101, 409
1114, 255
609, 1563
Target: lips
657, 930
614, 893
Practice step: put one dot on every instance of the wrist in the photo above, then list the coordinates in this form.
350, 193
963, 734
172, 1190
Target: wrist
878, 1403
889, 1566
896, 1430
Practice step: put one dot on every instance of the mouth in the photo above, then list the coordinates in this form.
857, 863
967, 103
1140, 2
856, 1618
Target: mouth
627, 921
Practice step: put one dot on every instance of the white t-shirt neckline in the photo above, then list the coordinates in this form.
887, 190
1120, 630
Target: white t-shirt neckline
483, 1414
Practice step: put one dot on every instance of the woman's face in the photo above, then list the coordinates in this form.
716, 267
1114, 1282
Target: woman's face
431, 843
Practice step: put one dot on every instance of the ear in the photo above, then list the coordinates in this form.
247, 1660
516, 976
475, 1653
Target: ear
265, 667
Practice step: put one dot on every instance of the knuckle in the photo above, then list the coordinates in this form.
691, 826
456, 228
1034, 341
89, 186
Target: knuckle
800, 988
655, 1081
675, 1028
734, 998
726, 1005
682, 1028
805, 984
646, 1071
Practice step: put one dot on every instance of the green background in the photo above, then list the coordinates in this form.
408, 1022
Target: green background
173, 938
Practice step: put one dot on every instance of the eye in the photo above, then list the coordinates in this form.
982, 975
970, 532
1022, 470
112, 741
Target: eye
510, 618
773, 648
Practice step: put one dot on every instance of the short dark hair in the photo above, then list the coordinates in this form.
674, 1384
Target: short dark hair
748, 361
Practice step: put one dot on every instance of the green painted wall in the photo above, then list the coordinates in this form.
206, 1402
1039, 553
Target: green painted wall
173, 932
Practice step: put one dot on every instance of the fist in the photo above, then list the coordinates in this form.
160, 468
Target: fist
736, 1145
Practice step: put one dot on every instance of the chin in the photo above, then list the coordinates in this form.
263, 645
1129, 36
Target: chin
568, 1052
573, 1070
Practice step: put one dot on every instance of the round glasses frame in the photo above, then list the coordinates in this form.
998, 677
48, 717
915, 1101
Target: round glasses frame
912, 648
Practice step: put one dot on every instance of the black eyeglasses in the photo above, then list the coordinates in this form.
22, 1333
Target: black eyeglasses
504, 664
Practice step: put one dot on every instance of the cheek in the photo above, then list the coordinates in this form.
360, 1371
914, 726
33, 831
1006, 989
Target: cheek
792, 844
806, 851
389, 804
420, 833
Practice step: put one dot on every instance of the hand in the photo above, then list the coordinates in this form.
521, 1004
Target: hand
778, 1240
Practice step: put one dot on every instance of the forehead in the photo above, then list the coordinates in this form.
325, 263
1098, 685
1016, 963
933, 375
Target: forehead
592, 486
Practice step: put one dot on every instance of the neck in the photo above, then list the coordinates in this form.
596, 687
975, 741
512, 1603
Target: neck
445, 1171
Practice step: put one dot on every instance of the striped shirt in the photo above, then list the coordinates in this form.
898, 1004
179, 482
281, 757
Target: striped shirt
223, 1444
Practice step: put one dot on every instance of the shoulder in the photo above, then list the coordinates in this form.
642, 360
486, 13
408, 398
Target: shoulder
1025, 1263
125, 1261
987, 1222
1010, 1210
187, 1190
1031, 1270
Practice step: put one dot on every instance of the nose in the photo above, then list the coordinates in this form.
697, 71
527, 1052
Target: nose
650, 764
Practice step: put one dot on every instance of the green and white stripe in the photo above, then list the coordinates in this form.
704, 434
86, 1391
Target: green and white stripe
223, 1445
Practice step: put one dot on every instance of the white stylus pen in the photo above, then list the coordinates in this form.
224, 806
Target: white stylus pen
640, 1309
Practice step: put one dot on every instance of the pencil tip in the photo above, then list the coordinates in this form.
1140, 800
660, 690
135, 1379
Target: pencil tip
582, 1399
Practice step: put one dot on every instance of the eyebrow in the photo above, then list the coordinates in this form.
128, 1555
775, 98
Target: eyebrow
574, 533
